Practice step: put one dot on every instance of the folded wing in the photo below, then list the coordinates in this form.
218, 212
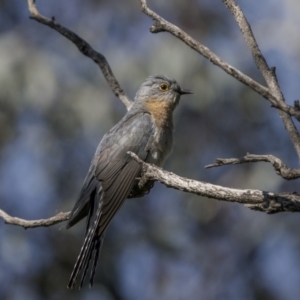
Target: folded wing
107, 185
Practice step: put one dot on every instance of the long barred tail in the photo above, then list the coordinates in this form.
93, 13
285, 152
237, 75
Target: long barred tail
91, 245
101, 199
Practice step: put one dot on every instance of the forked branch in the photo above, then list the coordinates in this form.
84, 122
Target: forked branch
268, 74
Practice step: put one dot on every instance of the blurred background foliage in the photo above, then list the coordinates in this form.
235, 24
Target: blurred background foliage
55, 106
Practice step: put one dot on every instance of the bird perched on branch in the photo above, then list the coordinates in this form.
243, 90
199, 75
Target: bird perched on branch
147, 131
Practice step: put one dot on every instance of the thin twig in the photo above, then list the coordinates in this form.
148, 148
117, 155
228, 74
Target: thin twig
60, 217
267, 72
280, 168
85, 49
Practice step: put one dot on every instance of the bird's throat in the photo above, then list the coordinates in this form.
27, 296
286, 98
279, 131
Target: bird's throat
161, 112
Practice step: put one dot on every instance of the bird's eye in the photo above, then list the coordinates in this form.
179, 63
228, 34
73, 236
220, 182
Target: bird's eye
163, 87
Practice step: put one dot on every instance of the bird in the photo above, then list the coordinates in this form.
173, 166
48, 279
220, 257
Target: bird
146, 130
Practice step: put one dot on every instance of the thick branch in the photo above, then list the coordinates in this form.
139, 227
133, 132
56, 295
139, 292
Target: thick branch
267, 72
85, 49
268, 202
280, 168
60, 217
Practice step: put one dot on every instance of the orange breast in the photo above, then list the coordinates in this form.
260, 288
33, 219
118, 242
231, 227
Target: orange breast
161, 112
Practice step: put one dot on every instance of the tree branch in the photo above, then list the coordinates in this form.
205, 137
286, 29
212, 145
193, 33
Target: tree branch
85, 49
162, 25
280, 168
267, 202
272, 93
264, 201
60, 217
267, 72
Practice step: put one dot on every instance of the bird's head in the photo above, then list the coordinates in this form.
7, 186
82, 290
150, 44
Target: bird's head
161, 91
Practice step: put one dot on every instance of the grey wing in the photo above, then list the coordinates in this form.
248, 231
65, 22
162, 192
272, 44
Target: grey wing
82, 205
112, 176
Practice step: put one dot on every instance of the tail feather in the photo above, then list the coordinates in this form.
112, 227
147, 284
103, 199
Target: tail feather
85, 269
100, 204
96, 246
90, 244
97, 251
91, 214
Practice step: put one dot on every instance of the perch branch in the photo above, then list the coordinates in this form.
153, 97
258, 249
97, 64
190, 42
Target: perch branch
60, 217
280, 168
268, 202
85, 49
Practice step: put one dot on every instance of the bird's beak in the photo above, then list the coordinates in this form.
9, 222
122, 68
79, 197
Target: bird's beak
185, 92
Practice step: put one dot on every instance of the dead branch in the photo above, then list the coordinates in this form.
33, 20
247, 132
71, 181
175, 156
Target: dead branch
268, 202
271, 93
161, 25
267, 72
85, 49
60, 217
280, 168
